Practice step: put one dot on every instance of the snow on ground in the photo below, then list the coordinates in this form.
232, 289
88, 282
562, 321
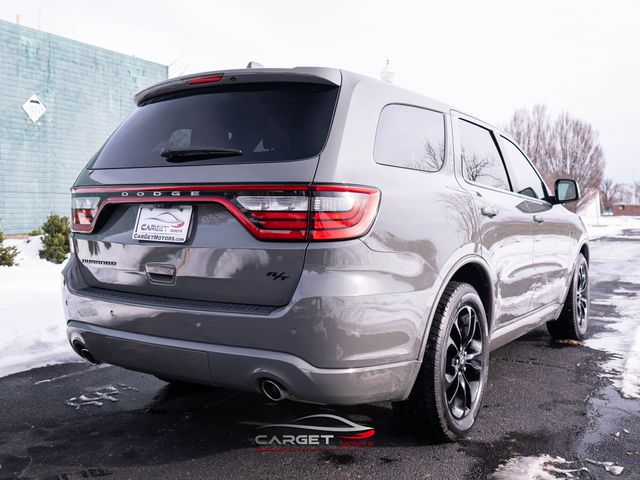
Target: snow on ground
609, 226
623, 340
31, 318
543, 467
619, 262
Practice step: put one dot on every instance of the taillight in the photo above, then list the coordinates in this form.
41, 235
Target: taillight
289, 212
83, 213
321, 212
275, 214
338, 213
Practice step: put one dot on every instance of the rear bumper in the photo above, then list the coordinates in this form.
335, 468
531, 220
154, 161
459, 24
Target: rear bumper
351, 333
245, 368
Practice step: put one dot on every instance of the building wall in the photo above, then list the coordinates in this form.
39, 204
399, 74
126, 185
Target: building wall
629, 209
87, 91
590, 207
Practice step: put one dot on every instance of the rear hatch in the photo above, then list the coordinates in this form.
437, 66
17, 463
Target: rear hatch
203, 193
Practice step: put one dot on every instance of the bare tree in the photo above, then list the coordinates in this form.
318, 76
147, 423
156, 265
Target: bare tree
432, 158
477, 168
636, 191
532, 130
609, 193
626, 193
564, 147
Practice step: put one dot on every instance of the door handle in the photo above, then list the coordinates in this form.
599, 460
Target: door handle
538, 219
489, 212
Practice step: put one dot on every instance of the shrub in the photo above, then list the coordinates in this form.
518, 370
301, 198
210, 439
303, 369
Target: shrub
35, 233
55, 240
7, 254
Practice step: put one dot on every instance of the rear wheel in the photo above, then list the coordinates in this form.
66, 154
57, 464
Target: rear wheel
574, 318
447, 395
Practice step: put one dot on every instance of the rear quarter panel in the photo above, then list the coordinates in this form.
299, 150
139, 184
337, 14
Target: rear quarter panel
426, 223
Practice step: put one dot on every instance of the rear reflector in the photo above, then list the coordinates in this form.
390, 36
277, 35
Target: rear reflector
282, 212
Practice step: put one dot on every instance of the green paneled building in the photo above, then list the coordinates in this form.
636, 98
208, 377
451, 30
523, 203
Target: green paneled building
59, 100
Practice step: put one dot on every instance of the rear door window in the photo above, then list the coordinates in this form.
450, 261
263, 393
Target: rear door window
481, 160
523, 177
410, 137
268, 122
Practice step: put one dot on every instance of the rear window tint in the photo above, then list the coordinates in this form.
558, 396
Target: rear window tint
410, 137
267, 122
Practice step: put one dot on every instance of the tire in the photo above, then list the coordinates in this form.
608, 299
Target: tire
438, 407
574, 317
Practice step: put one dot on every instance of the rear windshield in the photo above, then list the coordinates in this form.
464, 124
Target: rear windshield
267, 122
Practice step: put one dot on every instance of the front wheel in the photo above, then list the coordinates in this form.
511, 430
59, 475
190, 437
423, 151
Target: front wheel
574, 317
446, 397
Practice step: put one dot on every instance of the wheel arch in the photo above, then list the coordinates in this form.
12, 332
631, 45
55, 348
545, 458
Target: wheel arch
476, 275
474, 270
584, 250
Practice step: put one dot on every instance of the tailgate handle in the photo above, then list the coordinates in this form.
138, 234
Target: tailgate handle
160, 273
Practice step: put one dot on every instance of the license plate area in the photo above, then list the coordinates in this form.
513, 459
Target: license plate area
162, 223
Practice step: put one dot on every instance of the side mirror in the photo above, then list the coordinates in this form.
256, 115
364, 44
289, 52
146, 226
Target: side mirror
566, 191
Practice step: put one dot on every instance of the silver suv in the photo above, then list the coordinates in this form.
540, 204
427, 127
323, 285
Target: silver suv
322, 236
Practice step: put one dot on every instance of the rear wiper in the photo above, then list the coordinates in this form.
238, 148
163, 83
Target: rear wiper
189, 154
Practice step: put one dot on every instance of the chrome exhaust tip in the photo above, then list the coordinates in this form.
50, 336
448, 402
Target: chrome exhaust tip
273, 391
81, 350
84, 353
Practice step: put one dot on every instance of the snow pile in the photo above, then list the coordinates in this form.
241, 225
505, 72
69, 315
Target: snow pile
543, 467
622, 339
31, 318
619, 264
610, 467
99, 395
609, 226
546, 467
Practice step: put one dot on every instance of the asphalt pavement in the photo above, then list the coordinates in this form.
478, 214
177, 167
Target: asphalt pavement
543, 397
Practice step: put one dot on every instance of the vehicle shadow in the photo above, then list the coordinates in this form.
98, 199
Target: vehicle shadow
183, 422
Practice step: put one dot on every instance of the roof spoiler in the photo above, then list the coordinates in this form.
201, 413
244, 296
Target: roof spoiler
326, 76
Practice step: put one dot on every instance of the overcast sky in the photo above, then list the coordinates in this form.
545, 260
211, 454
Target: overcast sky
487, 58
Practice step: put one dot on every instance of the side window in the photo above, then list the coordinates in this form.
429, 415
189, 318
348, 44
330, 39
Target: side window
481, 161
524, 178
410, 137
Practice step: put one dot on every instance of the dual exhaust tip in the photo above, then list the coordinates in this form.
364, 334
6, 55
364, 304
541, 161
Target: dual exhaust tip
273, 390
